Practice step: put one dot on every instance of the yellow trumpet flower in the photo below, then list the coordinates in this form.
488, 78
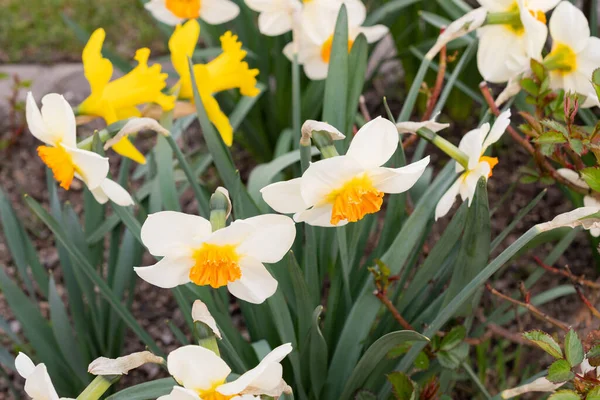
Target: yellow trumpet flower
119, 99
227, 71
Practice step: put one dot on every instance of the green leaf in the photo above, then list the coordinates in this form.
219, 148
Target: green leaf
336, 84
573, 348
591, 176
365, 395
538, 69
555, 126
318, 354
564, 395
545, 342
560, 371
453, 338
422, 361
593, 394
551, 137
530, 86
576, 146
386, 10
452, 359
357, 58
596, 81
146, 390
593, 356
373, 356
404, 388
399, 350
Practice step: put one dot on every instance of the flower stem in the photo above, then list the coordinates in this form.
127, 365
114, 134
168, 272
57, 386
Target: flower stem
324, 143
512, 18
219, 204
445, 146
98, 387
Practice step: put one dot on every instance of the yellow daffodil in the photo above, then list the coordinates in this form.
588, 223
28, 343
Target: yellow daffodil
227, 71
203, 375
338, 190
119, 99
473, 144
173, 12
38, 384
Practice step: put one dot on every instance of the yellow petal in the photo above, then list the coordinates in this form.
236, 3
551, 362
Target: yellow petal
97, 69
125, 148
182, 44
218, 118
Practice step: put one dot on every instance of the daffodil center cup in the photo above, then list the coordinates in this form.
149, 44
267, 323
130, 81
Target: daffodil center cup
60, 162
355, 199
326, 48
492, 162
215, 265
188, 9
562, 58
212, 393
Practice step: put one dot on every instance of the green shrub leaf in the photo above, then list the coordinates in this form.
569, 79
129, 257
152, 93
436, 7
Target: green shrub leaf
560, 371
573, 348
545, 342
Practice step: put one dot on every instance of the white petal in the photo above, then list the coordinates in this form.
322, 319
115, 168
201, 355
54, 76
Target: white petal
92, 167
469, 184
38, 384
398, 180
589, 201
168, 272
497, 5
256, 283
36, 123
59, 119
542, 5
413, 127
574, 178
472, 145
122, 365
200, 313
535, 33
179, 393
373, 33
284, 197
24, 365
310, 125
569, 26
498, 129
162, 13
197, 368
445, 203
497, 44
324, 176
264, 377
274, 23
271, 238
110, 189
166, 231
318, 216
216, 12
315, 68
539, 385
465, 24
582, 216
135, 125
375, 143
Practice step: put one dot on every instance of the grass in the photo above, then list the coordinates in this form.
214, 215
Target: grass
34, 31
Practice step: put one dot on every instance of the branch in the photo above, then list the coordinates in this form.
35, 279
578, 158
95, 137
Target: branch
533, 309
586, 301
382, 296
567, 273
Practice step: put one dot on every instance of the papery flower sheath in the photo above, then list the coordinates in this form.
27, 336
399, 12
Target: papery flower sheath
575, 53
38, 384
202, 375
342, 189
227, 71
173, 12
232, 256
55, 126
473, 144
118, 99
315, 34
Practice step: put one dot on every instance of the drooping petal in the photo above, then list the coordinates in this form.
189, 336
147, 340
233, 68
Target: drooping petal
217, 12
24, 365
285, 197
374, 144
162, 13
569, 26
573, 177
472, 145
309, 126
445, 203
262, 378
38, 384
497, 44
179, 393
318, 216
324, 176
465, 24
271, 238
256, 283
111, 190
168, 231
200, 313
168, 273
398, 180
91, 167
413, 127
583, 216
197, 368
498, 129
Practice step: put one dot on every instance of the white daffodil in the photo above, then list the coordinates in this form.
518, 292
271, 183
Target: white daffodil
55, 126
38, 384
473, 144
413, 127
203, 375
467, 23
276, 17
231, 256
575, 53
515, 33
173, 12
588, 201
314, 36
342, 189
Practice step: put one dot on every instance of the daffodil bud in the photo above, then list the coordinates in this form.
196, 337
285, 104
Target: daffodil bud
122, 365
311, 126
206, 330
220, 208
